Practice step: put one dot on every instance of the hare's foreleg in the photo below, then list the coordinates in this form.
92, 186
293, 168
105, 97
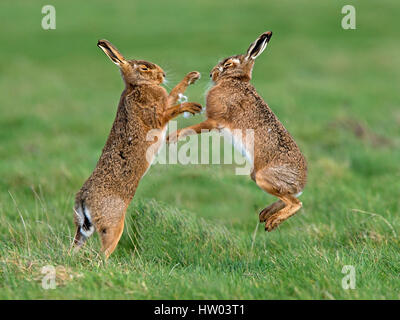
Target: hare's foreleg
195, 129
178, 109
181, 87
110, 236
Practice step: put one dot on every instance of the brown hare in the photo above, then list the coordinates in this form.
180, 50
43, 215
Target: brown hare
278, 166
143, 107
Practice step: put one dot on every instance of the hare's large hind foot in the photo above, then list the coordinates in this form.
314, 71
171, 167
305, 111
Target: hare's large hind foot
270, 210
292, 205
284, 183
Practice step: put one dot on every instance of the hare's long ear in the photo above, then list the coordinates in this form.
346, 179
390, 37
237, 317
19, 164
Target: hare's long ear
111, 52
258, 46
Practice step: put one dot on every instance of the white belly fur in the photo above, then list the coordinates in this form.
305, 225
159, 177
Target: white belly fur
158, 147
239, 143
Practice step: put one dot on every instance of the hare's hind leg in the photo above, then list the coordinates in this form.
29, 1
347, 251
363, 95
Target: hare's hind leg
282, 183
292, 205
271, 209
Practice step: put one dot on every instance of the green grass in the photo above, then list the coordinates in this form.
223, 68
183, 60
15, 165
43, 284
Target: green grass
192, 231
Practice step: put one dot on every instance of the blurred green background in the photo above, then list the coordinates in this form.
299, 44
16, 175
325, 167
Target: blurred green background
191, 230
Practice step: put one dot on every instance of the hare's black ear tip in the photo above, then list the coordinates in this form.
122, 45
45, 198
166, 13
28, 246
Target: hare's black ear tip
101, 42
268, 35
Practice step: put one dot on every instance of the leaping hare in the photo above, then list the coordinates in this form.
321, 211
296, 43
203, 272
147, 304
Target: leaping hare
144, 105
279, 167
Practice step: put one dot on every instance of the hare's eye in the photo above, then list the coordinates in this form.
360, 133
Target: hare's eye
228, 64
143, 68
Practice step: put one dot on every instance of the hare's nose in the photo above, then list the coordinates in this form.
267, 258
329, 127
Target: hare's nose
210, 75
163, 74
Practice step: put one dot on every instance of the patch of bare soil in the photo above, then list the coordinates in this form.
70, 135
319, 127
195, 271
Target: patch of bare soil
362, 132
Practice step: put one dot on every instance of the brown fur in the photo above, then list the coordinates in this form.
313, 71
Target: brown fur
279, 167
144, 105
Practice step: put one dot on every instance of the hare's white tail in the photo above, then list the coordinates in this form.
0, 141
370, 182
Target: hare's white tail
85, 225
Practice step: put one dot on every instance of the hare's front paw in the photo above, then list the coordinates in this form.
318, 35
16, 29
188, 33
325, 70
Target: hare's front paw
192, 77
191, 107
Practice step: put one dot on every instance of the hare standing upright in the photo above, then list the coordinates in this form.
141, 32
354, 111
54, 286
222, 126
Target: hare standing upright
279, 167
144, 106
